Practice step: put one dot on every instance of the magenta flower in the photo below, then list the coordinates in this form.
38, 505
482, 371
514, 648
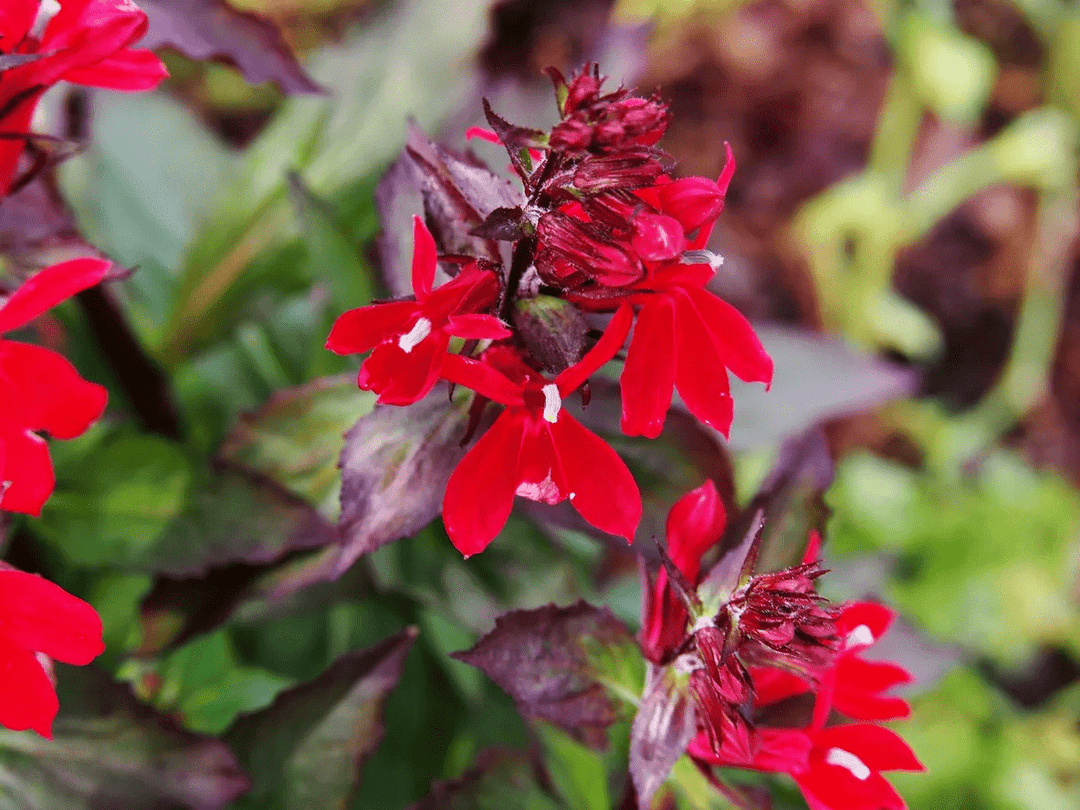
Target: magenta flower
81, 41
686, 338
41, 391
536, 449
408, 340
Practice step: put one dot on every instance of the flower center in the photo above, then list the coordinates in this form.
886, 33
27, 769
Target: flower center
411, 339
848, 761
861, 636
552, 402
46, 11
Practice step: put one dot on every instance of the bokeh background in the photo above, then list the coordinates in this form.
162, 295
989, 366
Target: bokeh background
906, 188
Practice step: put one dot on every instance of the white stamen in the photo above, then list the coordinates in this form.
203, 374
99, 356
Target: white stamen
552, 402
46, 11
846, 759
714, 260
410, 340
861, 636
572, 495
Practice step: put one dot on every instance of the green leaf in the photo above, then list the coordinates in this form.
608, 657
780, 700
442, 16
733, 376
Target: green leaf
297, 437
330, 141
110, 752
501, 780
306, 750
334, 256
139, 505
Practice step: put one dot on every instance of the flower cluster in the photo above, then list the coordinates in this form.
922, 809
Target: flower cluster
43, 42
599, 227
762, 648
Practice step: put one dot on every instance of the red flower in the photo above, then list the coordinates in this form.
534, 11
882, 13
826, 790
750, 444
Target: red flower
694, 524
536, 449
857, 686
843, 770
686, 338
41, 391
696, 202
37, 616
81, 41
410, 338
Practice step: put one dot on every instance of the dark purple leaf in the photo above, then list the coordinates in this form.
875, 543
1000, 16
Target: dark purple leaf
306, 749
502, 224
236, 517
212, 29
458, 196
398, 197
37, 229
663, 726
517, 140
816, 377
111, 752
394, 470
548, 660
791, 501
502, 779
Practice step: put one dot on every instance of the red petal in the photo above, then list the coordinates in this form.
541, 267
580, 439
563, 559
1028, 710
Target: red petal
610, 342
400, 377
27, 698
868, 676
424, 261
27, 474
771, 685
875, 617
877, 746
480, 492
832, 787
48, 288
16, 121
599, 485
482, 378
482, 134
694, 524
41, 616
360, 330
700, 374
734, 337
648, 376
128, 69
51, 394
477, 327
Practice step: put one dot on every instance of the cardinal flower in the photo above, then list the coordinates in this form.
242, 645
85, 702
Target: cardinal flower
82, 41
694, 525
409, 338
39, 389
536, 449
37, 616
686, 338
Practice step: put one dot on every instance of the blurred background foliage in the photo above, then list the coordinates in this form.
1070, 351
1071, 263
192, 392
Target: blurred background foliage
907, 180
